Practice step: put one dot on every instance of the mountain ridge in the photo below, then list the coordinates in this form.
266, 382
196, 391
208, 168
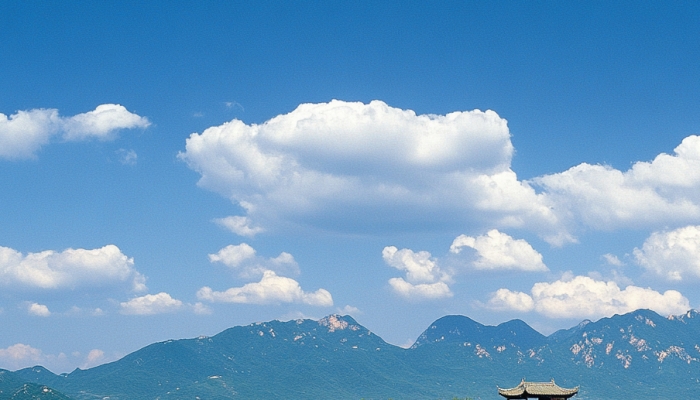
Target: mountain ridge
637, 353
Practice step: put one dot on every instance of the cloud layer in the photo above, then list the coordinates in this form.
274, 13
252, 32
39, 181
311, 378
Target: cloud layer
69, 269
22, 134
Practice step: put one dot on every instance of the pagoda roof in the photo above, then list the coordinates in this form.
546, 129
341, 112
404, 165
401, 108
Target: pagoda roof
537, 389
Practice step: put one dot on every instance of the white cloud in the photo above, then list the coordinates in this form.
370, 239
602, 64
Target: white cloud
233, 255
357, 167
505, 299
95, 357
270, 289
101, 123
38, 310
127, 157
497, 251
22, 134
411, 291
613, 260
239, 225
326, 164
19, 355
674, 255
150, 304
242, 258
419, 267
663, 191
201, 309
346, 166
585, 297
95, 312
348, 309
68, 269
424, 278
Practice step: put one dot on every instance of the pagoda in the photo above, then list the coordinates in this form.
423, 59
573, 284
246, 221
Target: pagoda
538, 390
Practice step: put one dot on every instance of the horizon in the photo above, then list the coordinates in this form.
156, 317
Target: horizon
170, 171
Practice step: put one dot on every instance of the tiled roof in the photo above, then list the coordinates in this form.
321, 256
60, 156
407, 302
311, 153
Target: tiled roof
535, 389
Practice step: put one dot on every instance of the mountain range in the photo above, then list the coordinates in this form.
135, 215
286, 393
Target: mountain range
639, 354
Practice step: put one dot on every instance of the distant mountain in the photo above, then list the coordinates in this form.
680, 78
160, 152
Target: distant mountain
639, 354
14, 387
461, 329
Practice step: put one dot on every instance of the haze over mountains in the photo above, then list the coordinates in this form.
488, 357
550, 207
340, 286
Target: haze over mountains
640, 354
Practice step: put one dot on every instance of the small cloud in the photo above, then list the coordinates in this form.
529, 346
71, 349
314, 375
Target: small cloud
498, 251
20, 353
612, 259
102, 123
150, 304
297, 315
38, 310
242, 258
127, 157
505, 299
418, 291
201, 309
233, 255
95, 357
239, 225
234, 104
270, 290
348, 309
76, 311
198, 114
424, 278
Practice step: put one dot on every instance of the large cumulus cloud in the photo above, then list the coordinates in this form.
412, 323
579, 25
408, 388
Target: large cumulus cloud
674, 255
653, 194
359, 167
354, 167
272, 289
68, 269
585, 297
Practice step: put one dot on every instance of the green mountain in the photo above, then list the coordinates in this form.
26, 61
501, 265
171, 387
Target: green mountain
639, 354
15, 387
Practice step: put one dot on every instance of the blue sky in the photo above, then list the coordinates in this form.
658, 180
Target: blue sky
169, 171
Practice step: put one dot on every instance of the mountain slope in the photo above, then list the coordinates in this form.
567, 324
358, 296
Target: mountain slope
15, 387
639, 354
